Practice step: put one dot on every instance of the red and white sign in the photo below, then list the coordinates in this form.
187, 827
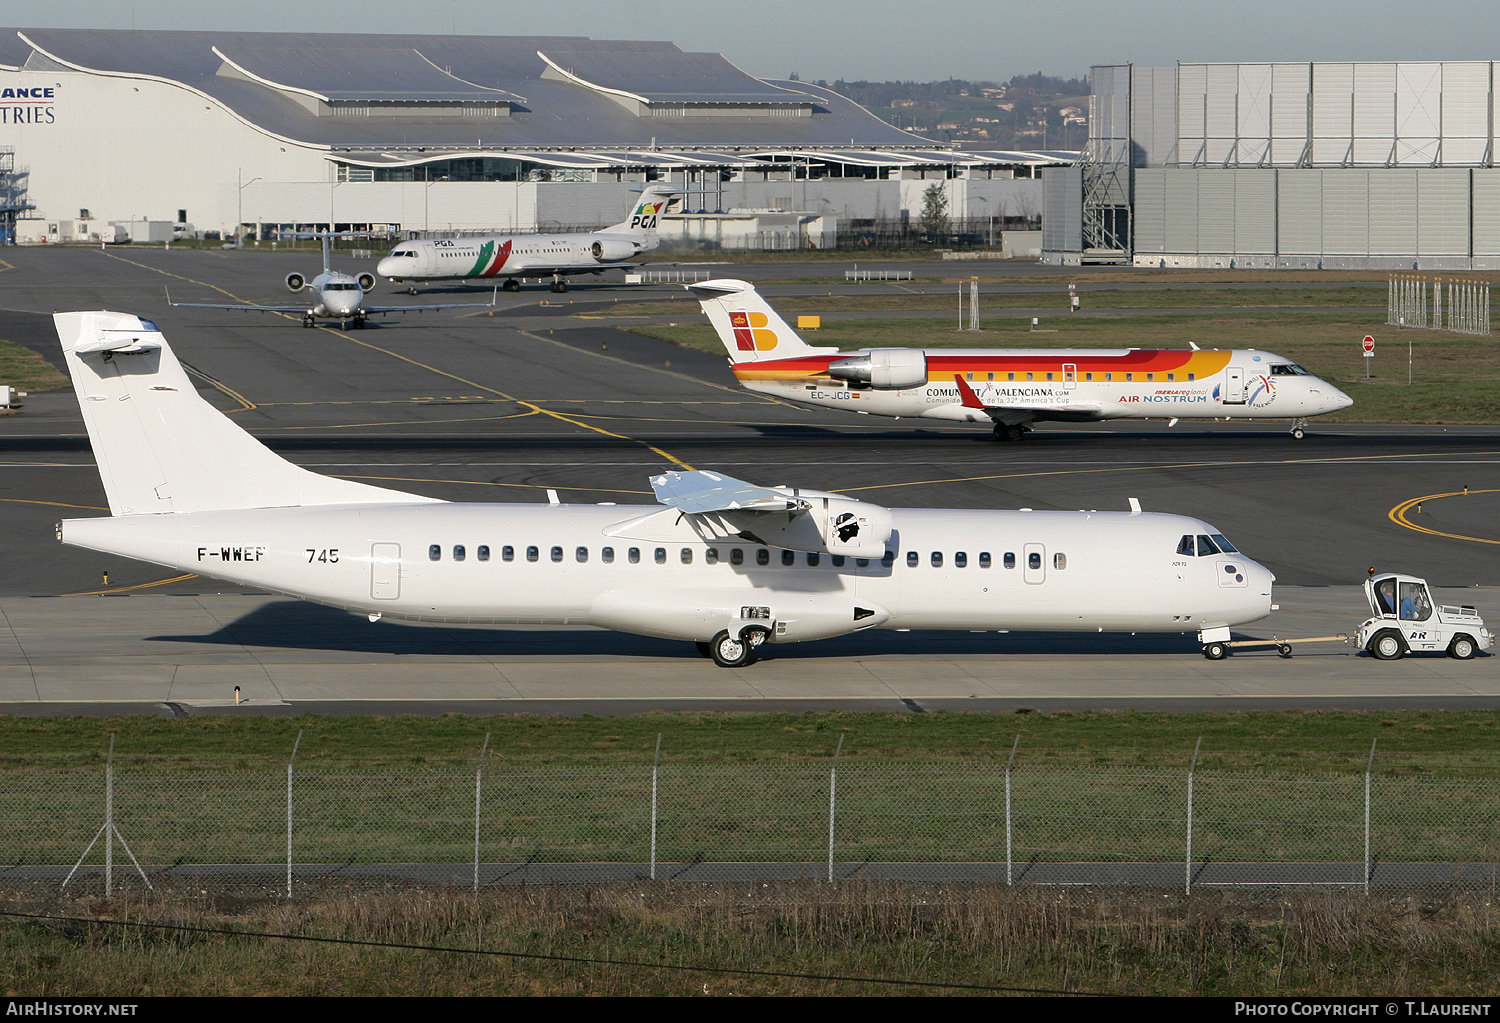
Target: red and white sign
1369, 345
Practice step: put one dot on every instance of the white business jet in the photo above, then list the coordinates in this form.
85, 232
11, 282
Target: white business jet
511, 257
1010, 388
336, 296
729, 565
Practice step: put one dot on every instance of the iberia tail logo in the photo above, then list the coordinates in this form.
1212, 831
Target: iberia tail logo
749, 335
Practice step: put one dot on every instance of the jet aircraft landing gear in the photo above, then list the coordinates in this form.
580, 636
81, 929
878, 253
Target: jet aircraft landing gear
511, 284
1013, 432
359, 322
411, 289
559, 284
307, 321
1299, 428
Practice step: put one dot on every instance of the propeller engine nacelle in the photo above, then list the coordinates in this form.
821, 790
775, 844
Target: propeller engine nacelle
612, 250
295, 282
366, 282
884, 369
838, 525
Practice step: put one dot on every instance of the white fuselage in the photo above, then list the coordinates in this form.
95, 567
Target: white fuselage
335, 295
643, 569
1066, 385
506, 256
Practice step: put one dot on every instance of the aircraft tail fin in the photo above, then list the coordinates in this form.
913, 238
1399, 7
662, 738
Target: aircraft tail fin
747, 325
162, 448
646, 211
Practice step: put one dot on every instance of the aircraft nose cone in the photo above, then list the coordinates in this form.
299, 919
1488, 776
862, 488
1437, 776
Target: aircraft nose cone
385, 267
1337, 399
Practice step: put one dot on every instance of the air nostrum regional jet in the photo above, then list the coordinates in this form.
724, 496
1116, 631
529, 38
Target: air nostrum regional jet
729, 565
1010, 388
511, 257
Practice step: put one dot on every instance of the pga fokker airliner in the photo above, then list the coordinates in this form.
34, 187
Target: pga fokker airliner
1011, 388
508, 258
719, 562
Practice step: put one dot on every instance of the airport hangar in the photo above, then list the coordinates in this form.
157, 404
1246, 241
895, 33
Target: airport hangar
1306, 165
434, 134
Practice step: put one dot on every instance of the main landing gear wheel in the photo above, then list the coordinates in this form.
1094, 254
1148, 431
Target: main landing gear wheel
1216, 651
359, 323
1462, 648
307, 321
511, 284
730, 651
1387, 646
1013, 432
411, 289
559, 287
1284, 649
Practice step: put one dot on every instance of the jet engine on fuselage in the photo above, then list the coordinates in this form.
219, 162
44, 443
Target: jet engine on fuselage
366, 282
612, 250
295, 282
884, 369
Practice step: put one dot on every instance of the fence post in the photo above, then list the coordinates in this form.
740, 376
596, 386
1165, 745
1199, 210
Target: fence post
973, 303
1188, 879
478, 783
655, 765
289, 763
1013, 747
109, 820
1369, 766
833, 785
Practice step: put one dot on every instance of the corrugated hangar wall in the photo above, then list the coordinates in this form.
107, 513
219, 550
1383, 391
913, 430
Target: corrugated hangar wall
1298, 165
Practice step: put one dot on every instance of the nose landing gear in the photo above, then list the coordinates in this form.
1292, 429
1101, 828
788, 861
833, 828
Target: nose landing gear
1299, 428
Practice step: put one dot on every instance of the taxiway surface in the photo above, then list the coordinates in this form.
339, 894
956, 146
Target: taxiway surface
502, 407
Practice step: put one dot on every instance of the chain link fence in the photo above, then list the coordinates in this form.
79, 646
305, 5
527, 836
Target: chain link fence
284, 830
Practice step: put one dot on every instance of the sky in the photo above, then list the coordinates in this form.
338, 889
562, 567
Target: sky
879, 40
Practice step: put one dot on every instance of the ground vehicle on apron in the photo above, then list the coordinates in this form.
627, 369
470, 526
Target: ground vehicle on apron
1407, 620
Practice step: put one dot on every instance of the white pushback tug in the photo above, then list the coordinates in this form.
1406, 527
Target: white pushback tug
1406, 620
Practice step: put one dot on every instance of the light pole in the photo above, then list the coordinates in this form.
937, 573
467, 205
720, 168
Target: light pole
239, 209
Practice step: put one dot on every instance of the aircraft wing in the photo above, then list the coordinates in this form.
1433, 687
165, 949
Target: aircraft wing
427, 308
1012, 413
240, 306
696, 491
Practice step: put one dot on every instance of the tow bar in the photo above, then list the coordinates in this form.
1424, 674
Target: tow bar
1219, 651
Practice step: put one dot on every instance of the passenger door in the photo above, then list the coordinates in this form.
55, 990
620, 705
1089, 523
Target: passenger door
385, 571
1234, 386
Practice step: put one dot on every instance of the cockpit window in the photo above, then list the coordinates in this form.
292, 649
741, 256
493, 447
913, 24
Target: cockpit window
341, 286
1288, 369
1203, 544
404, 252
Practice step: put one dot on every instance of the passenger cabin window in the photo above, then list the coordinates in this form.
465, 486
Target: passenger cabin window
532, 553
812, 560
788, 557
937, 559
861, 562
581, 555
912, 557
1059, 561
1129, 377
838, 560
607, 555
435, 552
686, 555
660, 555
1192, 376
1009, 561
711, 556
960, 559
482, 552
557, 554
736, 556
1034, 560
633, 555
984, 559
1088, 376
762, 557
1108, 377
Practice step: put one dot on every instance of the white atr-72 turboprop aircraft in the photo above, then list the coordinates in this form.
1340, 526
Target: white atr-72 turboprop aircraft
339, 296
511, 257
726, 564
1010, 388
